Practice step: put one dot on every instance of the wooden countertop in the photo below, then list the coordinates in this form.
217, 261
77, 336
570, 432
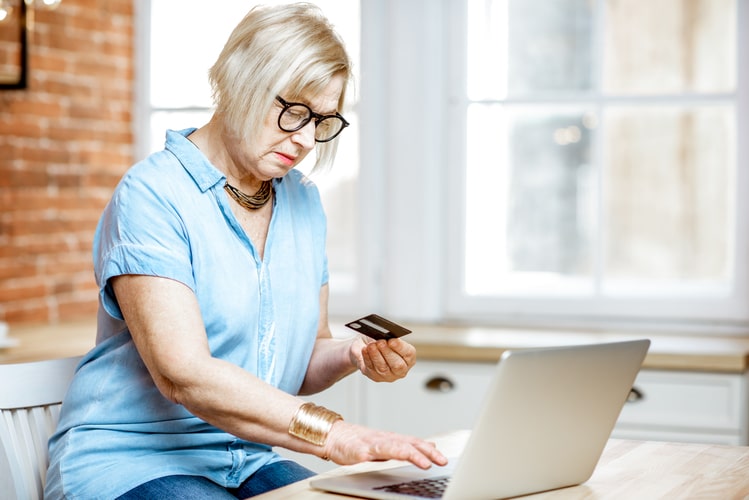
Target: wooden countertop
48, 341
627, 469
444, 343
667, 352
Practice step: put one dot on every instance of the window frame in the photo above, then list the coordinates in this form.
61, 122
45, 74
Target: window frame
725, 314
410, 235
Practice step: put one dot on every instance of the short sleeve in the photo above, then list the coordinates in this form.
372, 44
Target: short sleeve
140, 232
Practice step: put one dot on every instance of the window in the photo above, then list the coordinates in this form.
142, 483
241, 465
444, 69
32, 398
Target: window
521, 161
175, 94
602, 160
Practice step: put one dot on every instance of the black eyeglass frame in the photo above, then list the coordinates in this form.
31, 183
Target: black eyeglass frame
317, 116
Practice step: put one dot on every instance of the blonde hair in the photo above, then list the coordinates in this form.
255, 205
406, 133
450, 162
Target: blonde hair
291, 49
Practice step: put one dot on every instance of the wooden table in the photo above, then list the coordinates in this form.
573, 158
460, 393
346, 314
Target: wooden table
628, 469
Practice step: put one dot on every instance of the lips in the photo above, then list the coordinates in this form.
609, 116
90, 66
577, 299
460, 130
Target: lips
285, 159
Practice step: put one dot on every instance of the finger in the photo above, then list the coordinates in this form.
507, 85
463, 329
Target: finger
401, 356
377, 357
395, 362
376, 368
349, 443
366, 360
403, 349
420, 454
431, 452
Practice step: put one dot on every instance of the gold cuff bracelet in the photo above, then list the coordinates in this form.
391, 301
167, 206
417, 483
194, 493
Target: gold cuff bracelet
312, 423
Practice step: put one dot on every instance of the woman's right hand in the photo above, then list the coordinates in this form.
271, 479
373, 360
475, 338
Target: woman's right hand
349, 444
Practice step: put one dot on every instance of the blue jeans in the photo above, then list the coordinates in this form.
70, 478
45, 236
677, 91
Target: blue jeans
268, 477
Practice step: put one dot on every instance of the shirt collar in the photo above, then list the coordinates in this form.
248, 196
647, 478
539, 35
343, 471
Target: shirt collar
192, 159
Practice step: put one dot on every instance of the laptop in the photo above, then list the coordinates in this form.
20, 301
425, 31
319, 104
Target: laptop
543, 425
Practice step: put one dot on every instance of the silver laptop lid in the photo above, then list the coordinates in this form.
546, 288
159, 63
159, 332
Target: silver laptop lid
546, 419
543, 425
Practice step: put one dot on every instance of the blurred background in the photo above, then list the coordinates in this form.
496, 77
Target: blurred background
510, 162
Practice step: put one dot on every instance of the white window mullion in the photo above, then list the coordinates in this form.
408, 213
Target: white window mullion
142, 90
657, 125
741, 191
415, 169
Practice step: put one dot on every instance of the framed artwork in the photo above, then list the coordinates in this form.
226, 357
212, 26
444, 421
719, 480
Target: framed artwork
13, 45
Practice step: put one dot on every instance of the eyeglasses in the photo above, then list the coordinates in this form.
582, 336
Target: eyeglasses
295, 116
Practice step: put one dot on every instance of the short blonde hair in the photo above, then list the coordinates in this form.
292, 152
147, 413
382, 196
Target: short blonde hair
291, 49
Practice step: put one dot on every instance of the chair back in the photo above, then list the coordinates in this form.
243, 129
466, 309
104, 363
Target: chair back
30, 399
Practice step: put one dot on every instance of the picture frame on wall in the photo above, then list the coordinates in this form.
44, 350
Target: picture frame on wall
13, 44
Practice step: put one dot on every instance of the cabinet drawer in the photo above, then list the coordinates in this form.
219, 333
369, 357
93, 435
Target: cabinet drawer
686, 401
435, 397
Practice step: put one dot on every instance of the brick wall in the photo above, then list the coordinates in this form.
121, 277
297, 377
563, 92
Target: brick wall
64, 143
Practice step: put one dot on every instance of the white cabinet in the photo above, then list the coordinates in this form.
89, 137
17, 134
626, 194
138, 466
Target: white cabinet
686, 406
438, 397
435, 397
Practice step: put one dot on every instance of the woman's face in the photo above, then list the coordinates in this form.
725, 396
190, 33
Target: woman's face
276, 152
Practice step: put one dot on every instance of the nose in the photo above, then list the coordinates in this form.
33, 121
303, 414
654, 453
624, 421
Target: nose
305, 136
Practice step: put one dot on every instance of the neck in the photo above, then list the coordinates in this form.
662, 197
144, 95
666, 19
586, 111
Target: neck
213, 139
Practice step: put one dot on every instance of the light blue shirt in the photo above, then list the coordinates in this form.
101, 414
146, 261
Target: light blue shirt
170, 217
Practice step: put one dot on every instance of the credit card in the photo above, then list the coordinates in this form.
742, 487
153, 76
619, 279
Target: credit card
377, 327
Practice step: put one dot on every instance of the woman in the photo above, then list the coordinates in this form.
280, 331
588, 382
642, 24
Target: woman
210, 259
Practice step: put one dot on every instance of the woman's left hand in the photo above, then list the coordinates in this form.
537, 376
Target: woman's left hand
382, 360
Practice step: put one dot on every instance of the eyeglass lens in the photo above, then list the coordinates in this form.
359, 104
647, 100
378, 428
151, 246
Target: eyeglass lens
295, 116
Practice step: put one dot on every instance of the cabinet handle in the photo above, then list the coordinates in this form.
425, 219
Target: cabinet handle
635, 395
439, 384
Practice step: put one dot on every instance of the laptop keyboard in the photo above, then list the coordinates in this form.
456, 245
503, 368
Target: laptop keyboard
432, 487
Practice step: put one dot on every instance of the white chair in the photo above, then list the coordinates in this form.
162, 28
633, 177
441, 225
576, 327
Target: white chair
30, 398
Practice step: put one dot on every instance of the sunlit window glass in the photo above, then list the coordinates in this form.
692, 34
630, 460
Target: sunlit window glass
669, 206
669, 46
601, 147
531, 205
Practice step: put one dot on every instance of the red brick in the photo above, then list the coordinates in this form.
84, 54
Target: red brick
65, 142
26, 312
15, 290
19, 127
47, 61
16, 268
35, 108
76, 308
